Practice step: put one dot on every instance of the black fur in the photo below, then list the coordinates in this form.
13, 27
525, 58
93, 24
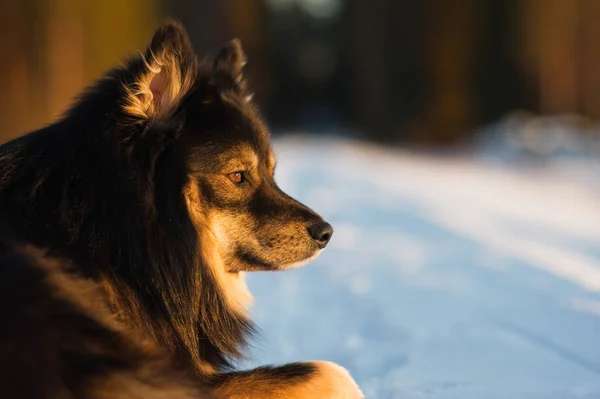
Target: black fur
99, 192
102, 191
58, 339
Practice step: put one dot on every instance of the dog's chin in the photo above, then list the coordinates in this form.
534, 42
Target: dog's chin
248, 262
302, 262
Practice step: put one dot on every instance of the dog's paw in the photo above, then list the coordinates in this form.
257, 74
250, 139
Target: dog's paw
335, 382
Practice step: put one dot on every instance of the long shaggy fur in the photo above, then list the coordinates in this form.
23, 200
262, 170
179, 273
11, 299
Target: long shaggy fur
133, 295
83, 352
168, 73
104, 201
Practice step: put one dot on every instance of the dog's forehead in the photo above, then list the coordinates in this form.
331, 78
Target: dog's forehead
219, 122
250, 130
252, 153
235, 144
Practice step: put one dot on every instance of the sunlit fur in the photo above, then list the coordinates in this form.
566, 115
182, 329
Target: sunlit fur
60, 340
166, 77
131, 189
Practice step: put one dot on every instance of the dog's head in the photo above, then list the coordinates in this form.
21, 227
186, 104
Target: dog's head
214, 156
159, 182
231, 192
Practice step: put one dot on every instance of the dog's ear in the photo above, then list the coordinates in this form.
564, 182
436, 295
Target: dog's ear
228, 67
163, 75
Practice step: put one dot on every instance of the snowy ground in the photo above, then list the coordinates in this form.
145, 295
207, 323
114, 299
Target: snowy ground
445, 278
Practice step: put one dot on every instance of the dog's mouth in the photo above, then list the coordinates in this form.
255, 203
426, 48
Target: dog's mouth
248, 261
252, 261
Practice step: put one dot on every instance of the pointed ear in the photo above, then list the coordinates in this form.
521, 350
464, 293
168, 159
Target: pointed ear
163, 75
229, 65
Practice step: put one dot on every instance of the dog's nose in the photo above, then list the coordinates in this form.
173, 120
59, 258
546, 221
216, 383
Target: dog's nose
321, 232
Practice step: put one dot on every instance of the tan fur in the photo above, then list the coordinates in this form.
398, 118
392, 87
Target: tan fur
212, 245
126, 386
302, 262
90, 298
331, 381
158, 91
84, 294
244, 159
271, 165
229, 227
125, 309
232, 227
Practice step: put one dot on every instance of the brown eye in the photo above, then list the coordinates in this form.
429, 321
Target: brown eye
237, 177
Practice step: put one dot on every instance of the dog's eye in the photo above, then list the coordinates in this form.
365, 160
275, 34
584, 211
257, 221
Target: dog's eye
237, 177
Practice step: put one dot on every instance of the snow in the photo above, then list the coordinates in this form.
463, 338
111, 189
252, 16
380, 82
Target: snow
447, 277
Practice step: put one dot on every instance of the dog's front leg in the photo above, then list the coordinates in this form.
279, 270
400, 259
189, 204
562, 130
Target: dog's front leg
317, 379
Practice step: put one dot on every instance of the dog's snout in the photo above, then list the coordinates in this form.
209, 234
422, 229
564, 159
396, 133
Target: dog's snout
321, 232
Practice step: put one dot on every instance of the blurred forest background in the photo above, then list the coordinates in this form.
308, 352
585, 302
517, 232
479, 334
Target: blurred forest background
411, 71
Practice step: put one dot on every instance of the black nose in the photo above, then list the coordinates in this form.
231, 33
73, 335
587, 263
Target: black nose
321, 232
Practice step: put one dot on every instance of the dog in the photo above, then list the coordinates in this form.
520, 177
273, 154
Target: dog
126, 230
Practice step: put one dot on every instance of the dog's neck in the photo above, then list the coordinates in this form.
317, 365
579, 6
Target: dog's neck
232, 285
161, 281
